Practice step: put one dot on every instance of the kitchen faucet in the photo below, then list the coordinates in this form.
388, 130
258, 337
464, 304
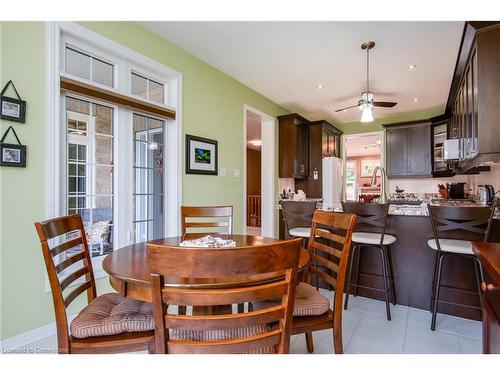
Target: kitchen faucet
383, 198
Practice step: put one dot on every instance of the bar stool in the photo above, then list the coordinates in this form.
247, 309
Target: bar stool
370, 232
474, 223
298, 218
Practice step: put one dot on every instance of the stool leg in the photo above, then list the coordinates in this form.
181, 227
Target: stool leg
436, 298
434, 281
386, 284
357, 270
479, 279
348, 290
391, 273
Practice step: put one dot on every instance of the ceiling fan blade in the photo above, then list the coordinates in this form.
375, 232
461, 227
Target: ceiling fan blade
343, 109
384, 104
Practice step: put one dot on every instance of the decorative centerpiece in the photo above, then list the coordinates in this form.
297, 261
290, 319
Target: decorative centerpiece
208, 241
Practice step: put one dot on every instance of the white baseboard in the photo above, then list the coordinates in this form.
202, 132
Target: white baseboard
31, 336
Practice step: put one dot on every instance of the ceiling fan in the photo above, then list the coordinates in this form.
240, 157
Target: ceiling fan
366, 103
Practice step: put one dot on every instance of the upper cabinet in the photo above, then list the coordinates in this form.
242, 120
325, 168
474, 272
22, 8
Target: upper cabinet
472, 105
330, 139
408, 149
439, 133
293, 146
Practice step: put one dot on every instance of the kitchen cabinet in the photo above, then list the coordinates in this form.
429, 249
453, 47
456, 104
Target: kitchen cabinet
474, 96
440, 129
293, 146
324, 141
408, 149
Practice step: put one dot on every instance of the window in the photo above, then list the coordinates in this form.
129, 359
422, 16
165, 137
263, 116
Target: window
90, 170
351, 180
89, 67
148, 182
147, 88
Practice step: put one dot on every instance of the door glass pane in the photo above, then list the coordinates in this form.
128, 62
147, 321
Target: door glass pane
90, 171
148, 173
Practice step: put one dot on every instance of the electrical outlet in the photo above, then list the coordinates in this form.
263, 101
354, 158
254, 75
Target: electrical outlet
315, 175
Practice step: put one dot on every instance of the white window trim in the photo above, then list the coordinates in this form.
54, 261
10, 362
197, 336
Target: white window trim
55, 136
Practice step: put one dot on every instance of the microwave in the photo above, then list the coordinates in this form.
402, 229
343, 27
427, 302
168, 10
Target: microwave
451, 149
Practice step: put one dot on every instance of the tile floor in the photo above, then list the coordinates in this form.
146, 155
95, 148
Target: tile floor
367, 331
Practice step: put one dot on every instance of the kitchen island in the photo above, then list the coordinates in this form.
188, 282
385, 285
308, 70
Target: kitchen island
413, 265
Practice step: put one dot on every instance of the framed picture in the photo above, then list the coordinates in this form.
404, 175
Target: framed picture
12, 155
201, 155
367, 167
12, 109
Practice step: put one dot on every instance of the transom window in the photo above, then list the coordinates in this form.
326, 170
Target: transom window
89, 67
147, 88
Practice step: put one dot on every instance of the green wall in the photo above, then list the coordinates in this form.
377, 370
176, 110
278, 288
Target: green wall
212, 107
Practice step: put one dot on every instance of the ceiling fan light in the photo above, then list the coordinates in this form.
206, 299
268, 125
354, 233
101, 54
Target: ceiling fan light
367, 115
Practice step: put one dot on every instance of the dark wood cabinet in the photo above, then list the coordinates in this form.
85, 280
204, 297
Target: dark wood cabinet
324, 141
474, 96
440, 129
293, 146
408, 149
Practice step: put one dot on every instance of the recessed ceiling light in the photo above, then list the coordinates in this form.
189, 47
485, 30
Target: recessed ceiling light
319, 86
345, 110
411, 67
416, 99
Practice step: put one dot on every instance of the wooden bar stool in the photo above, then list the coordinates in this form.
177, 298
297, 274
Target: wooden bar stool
370, 232
450, 225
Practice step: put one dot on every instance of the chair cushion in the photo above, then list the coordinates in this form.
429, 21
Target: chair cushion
112, 314
308, 301
452, 246
372, 238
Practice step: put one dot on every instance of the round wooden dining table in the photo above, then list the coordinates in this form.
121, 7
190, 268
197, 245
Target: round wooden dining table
129, 274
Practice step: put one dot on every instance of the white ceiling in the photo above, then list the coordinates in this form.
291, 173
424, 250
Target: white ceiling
285, 61
355, 146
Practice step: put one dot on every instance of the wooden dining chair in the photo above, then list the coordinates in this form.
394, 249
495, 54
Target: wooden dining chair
329, 252
236, 276
206, 220
109, 323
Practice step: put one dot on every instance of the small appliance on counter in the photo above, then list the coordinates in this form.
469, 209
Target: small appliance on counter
486, 194
456, 190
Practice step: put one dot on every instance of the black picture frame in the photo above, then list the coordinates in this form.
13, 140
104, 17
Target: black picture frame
202, 163
12, 155
16, 112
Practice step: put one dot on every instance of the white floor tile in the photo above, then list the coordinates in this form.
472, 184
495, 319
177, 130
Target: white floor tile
410, 348
423, 318
470, 346
398, 312
469, 328
360, 304
380, 328
438, 340
365, 344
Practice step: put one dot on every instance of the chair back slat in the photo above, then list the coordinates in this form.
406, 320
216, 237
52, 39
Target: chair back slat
264, 340
226, 296
330, 250
256, 273
459, 222
297, 214
226, 321
208, 219
70, 228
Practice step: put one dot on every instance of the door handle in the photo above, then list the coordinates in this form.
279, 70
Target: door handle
489, 287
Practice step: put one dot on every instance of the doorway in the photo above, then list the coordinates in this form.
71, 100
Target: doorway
259, 180
362, 153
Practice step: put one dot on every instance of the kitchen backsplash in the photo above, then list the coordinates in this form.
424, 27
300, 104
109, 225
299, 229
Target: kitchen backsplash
286, 184
429, 185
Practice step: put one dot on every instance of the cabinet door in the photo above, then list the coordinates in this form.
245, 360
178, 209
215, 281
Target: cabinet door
324, 143
301, 164
474, 149
418, 145
396, 152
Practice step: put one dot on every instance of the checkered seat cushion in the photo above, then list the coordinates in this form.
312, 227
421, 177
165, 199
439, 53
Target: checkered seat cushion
112, 314
308, 301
